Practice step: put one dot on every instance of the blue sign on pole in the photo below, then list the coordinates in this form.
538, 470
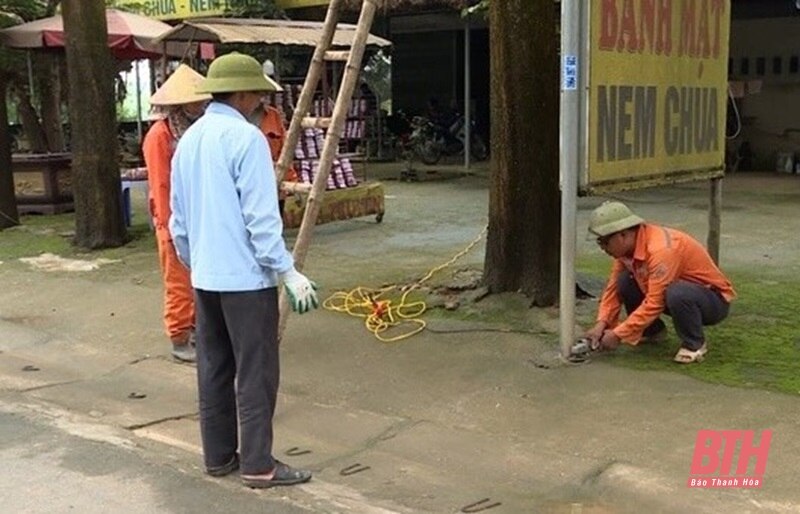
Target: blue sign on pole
570, 82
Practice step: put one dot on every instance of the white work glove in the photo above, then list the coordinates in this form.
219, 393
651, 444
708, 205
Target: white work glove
301, 291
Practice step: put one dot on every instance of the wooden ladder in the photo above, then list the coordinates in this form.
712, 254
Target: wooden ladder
334, 125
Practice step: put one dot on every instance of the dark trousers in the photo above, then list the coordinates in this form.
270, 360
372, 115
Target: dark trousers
237, 365
690, 305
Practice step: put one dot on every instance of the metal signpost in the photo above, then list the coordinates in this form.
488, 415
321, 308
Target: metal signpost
572, 157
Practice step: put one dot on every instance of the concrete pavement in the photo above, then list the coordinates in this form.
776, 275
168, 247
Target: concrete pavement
438, 422
53, 463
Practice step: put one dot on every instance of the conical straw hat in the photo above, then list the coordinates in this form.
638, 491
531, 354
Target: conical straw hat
180, 88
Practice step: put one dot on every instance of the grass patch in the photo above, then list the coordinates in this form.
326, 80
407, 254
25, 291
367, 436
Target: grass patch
758, 345
38, 234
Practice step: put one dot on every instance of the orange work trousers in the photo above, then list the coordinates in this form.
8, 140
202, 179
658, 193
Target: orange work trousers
178, 293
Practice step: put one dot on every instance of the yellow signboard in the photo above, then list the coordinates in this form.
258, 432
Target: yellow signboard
183, 9
657, 92
297, 4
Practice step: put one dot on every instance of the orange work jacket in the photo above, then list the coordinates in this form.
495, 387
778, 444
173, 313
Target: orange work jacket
272, 126
157, 148
661, 256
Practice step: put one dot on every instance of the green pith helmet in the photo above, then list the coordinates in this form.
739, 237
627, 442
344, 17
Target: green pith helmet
612, 217
234, 72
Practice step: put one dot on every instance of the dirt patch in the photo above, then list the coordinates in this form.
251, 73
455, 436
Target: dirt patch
51, 262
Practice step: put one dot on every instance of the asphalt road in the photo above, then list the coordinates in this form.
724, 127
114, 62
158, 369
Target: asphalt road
52, 465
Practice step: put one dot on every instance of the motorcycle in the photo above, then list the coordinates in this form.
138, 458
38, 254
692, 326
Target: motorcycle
438, 140
419, 137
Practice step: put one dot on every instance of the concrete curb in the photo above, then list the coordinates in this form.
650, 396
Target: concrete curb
648, 490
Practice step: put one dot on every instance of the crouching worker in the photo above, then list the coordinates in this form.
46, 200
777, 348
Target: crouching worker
227, 230
656, 270
178, 106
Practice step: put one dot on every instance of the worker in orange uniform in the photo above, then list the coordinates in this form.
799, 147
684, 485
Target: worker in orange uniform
270, 120
177, 107
656, 270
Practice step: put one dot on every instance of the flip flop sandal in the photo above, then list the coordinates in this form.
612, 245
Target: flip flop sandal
687, 356
284, 475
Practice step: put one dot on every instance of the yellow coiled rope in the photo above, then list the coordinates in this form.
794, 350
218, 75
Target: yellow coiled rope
381, 313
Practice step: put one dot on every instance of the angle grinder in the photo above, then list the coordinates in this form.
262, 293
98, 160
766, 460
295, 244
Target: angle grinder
581, 350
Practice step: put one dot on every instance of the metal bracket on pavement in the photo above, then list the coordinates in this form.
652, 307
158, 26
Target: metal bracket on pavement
353, 469
480, 506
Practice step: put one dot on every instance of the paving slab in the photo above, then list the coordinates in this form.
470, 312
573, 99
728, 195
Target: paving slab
26, 373
133, 396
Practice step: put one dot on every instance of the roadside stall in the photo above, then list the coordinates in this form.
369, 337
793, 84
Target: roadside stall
43, 181
348, 195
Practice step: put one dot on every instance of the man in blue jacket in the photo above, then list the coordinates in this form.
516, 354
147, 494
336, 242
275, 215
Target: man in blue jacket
227, 230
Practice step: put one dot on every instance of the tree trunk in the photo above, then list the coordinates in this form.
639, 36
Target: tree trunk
522, 249
8, 202
95, 166
49, 85
31, 127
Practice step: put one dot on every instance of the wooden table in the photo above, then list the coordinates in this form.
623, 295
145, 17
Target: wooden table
43, 183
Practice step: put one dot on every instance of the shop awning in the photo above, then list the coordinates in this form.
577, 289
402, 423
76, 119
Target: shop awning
271, 32
130, 36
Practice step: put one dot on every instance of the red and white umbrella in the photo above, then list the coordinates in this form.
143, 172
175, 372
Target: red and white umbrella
130, 36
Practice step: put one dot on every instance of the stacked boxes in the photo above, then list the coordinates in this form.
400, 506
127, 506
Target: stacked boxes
340, 177
355, 129
283, 100
323, 107
308, 153
309, 146
308, 170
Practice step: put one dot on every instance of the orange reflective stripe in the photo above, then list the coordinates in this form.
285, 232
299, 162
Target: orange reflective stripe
667, 237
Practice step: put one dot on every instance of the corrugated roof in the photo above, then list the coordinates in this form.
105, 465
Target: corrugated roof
409, 5
273, 32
